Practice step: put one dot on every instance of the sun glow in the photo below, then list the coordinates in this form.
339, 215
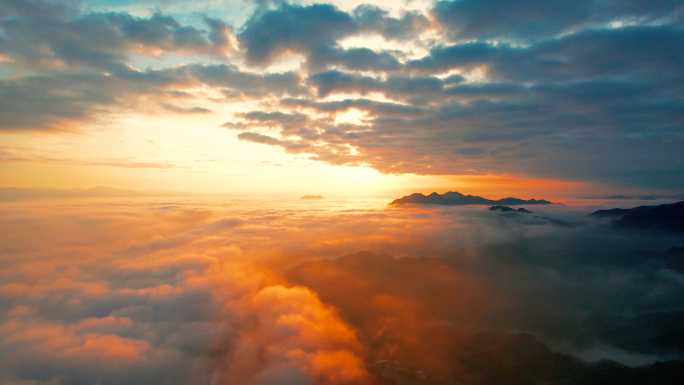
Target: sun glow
351, 116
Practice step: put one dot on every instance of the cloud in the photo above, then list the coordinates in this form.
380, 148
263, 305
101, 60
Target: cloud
178, 301
64, 101
185, 111
587, 91
288, 336
176, 291
236, 83
409, 25
493, 18
555, 100
394, 87
294, 28
287, 122
533, 19
42, 33
634, 50
355, 59
258, 138
315, 30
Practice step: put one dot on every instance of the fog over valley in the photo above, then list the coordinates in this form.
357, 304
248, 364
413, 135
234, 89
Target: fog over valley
208, 290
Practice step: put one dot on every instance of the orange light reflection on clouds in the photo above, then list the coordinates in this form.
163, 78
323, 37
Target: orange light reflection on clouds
221, 288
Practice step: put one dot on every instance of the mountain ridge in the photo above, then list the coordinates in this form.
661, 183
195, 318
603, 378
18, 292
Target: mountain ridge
660, 217
454, 198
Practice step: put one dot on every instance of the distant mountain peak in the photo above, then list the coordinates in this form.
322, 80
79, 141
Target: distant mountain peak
312, 197
506, 209
454, 198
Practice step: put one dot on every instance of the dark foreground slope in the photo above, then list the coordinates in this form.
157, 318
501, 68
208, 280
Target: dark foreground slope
662, 217
425, 321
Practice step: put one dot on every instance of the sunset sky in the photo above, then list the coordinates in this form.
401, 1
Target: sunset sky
221, 115
535, 98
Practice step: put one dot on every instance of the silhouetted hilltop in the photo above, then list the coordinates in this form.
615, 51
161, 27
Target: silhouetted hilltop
453, 198
506, 209
312, 197
662, 217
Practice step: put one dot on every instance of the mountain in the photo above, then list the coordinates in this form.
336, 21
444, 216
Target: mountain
661, 217
312, 197
453, 198
616, 213
506, 209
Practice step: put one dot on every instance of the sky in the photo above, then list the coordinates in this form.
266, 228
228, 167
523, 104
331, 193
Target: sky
544, 99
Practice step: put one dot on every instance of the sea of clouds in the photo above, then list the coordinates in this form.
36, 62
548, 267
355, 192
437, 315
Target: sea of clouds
207, 291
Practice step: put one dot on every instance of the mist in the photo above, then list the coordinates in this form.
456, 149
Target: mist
226, 291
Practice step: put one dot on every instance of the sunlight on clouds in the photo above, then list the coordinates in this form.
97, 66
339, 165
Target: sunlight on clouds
208, 290
253, 151
395, 7
407, 50
352, 115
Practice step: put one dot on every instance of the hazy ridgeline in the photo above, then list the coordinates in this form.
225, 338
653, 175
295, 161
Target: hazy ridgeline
226, 291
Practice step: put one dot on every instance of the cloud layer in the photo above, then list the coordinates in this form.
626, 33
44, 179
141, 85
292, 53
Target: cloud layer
140, 290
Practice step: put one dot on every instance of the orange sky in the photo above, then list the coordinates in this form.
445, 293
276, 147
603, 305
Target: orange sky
370, 102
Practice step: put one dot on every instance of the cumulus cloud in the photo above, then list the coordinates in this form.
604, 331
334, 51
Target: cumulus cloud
292, 28
556, 100
174, 302
46, 33
314, 31
286, 335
